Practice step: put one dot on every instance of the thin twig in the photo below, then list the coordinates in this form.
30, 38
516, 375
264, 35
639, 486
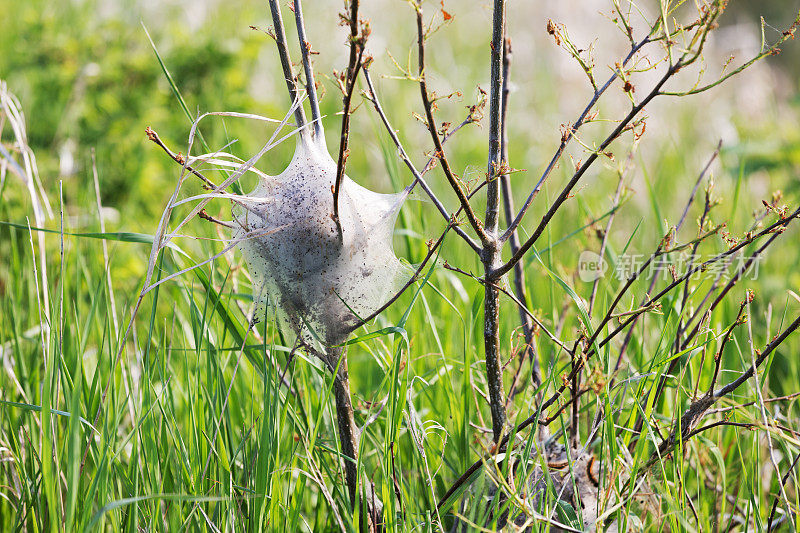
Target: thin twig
740, 272
566, 191
179, 158
706, 209
775, 502
718, 356
205, 216
522, 307
569, 136
455, 184
607, 230
601, 254
311, 88
748, 404
730, 387
762, 409
353, 66
418, 176
286, 62
431, 252
688, 57
508, 209
684, 428
777, 228
690, 337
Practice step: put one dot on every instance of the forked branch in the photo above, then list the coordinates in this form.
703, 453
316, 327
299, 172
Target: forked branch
286, 62
418, 176
439, 153
684, 428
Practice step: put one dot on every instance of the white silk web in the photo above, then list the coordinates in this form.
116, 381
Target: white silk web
321, 280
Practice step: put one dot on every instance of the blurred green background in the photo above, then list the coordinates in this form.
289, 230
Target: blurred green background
88, 79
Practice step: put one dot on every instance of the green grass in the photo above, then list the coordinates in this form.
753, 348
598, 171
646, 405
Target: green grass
196, 430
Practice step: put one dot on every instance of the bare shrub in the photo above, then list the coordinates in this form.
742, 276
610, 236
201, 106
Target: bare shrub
318, 246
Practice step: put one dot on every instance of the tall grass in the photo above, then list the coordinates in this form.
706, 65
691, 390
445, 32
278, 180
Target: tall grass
204, 425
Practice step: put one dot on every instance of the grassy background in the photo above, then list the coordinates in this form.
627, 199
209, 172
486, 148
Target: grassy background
197, 433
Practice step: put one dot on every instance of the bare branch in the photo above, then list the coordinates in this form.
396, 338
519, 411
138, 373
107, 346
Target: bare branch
785, 478
570, 134
311, 88
768, 51
730, 387
699, 406
495, 164
354, 65
718, 356
607, 230
565, 193
431, 251
508, 209
437, 142
286, 62
689, 202
373, 97
491, 255
684, 428
775, 228
180, 159
522, 307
